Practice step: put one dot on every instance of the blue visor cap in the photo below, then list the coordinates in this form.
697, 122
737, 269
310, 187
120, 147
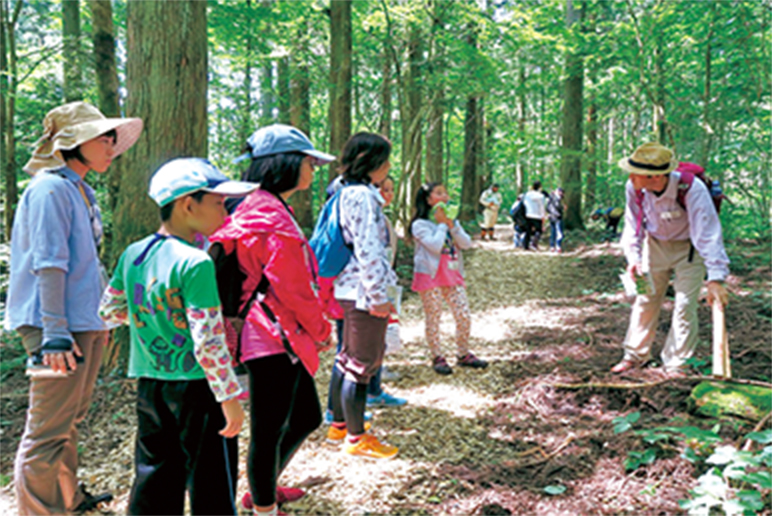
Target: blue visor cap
281, 138
183, 176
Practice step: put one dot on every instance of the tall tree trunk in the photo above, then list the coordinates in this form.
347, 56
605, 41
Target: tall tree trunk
411, 120
592, 154
246, 125
469, 192
340, 79
167, 83
283, 87
9, 17
107, 85
73, 76
300, 117
481, 170
520, 161
384, 126
707, 123
435, 76
571, 136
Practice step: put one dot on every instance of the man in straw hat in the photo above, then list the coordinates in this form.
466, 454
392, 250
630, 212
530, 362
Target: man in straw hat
54, 290
662, 230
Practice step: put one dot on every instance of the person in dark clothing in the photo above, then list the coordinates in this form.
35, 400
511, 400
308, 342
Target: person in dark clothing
612, 216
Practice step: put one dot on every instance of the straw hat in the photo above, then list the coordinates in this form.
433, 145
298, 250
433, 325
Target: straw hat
73, 124
650, 159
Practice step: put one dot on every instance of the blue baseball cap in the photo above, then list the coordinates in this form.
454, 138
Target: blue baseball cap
183, 176
280, 138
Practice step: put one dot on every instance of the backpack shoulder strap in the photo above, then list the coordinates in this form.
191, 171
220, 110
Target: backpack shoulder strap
684, 184
639, 204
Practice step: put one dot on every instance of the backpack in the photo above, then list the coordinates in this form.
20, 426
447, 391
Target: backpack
517, 212
689, 171
331, 250
230, 280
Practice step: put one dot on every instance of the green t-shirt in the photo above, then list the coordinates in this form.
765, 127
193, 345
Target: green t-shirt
172, 276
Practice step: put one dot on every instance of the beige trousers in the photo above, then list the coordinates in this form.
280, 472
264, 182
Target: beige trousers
662, 258
45, 473
490, 217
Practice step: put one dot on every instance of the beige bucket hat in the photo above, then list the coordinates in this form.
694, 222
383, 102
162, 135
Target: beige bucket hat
73, 124
650, 159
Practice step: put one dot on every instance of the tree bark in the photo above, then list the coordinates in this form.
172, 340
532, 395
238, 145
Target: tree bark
246, 125
707, 122
283, 87
167, 84
73, 76
592, 154
300, 117
435, 74
107, 85
9, 17
520, 163
469, 193
340, 79
384, 126
571, 135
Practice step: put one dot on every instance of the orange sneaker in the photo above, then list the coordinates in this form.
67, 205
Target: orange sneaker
369, 446
336, 435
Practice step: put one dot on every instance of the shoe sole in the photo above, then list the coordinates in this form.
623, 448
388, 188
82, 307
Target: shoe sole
369, 457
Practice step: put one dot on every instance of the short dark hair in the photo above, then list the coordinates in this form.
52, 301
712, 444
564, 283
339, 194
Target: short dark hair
76, 154
537, 185
167, 209
276, 173
363, 153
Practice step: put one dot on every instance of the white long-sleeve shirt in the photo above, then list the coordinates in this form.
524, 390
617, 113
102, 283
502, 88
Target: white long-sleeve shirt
665, 219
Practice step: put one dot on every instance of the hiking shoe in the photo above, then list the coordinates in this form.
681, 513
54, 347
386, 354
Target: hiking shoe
624, 366
91, 502
336, 435
469, 360
440, 366
384, 399
369, 446
283, 495
328, 416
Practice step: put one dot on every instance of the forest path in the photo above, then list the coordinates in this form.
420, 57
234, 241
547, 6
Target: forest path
490, 441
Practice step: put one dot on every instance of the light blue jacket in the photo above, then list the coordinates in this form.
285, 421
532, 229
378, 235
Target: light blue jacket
429, 239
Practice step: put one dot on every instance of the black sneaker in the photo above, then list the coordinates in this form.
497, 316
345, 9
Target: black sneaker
91, 502
440, 366
469, 360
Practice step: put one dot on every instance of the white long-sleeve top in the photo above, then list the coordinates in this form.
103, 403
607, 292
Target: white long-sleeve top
665, 219
429, 240
368, 273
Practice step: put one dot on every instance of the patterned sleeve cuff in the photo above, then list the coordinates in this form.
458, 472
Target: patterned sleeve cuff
113, 308
208, 332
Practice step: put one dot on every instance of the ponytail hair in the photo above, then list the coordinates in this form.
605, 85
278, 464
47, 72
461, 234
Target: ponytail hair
363, 153
422, 208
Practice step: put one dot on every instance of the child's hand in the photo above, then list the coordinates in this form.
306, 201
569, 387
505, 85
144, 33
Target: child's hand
383, 310
234, 417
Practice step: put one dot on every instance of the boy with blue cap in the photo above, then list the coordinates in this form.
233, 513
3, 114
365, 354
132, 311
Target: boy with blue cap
165, 288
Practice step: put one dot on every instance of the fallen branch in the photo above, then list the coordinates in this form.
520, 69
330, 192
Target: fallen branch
545, 456
757, 428
643, 385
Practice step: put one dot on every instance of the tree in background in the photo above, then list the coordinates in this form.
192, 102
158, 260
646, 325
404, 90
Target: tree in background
167, 84
340, 79
73, 65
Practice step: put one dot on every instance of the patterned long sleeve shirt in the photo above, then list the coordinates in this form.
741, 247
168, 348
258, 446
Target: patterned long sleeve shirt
368, 273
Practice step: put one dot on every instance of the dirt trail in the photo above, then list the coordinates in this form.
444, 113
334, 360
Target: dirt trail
484, 442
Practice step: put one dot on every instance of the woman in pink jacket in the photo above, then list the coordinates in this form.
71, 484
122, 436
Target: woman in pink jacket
283, 333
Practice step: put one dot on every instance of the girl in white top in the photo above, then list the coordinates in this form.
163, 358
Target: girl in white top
438, 273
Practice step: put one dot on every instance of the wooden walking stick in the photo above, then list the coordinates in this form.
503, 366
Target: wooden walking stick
721, 365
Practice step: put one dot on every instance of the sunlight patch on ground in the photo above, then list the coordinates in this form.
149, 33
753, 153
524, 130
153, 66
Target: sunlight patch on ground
457, 400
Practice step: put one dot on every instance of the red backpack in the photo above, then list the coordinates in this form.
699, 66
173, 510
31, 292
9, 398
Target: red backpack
688, 171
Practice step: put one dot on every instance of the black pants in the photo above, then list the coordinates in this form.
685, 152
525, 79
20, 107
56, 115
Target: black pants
532, 233
285, 410
179, 448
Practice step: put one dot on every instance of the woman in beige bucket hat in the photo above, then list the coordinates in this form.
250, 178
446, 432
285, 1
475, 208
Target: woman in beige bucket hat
53, 300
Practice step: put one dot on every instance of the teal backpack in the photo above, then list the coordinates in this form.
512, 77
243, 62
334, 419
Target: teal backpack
331, 250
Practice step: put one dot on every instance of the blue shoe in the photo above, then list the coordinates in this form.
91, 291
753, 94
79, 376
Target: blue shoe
328, 416
384, 399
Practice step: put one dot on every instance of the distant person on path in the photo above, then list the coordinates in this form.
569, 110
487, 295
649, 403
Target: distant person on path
363, 290
555, 209
438, 273
612, 216
519, 221
535, 214
660, 237
491, 200
55, 284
